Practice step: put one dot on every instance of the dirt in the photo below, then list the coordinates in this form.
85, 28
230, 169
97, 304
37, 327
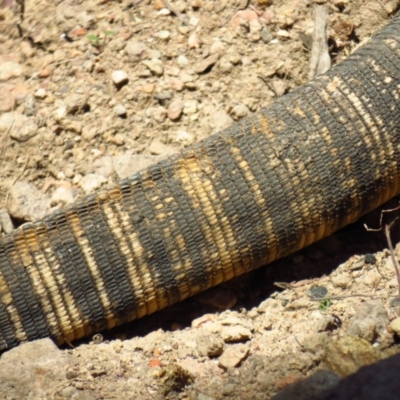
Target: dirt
95, 90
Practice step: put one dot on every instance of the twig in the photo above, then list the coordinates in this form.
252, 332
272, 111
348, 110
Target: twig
320, 60
389, 240
394, 260
175, 11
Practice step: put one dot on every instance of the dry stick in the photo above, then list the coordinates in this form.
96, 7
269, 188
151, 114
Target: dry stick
394, 260
175, 11
389, 240
320, 60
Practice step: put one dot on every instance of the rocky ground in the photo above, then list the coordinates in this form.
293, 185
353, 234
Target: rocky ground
92, 91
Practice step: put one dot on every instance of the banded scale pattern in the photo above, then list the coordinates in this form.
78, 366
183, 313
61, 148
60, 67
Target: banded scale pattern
309, 164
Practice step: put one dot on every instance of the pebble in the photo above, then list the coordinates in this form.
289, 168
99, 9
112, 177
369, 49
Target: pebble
184, 137
90, 182
89, 132
236, 333
220, 120
158, 113
209, 345
119, 78
14, 123
176, 84
62, 196
27, 203
76, 103
137, 51
175, 110
341, 280
155, 66
395, 325
206, 64
25, 131
120, 110
41, 93
6, 224
182, 60
233, 356
239, 111
190, 107
369, 321
225, 66
242, 17
10, 69
8, 98
164, 35
194, 41
266, 35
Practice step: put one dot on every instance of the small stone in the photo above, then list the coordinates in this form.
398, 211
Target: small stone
239, 111
194, 41
68, 392
120, 110
369, 321
25, 132
318, 292
370, 259
236, 333
176, 84
6, 224
190, 107
10, 69
209, 345
137, 51
164, 35
283, 33
89, 132
119, 78
184, 137
182, 61
233, 356
62, 196
225, 66
395, 325
76, 103
60, 113
266, 35
342, 280
206, 64
27, 203
243, 17
155, 66
175, 110
164, 11
8, 98
159, 113
220, 120
40, 93
89, 183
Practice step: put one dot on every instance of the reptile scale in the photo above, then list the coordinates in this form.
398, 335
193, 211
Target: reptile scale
312, 162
